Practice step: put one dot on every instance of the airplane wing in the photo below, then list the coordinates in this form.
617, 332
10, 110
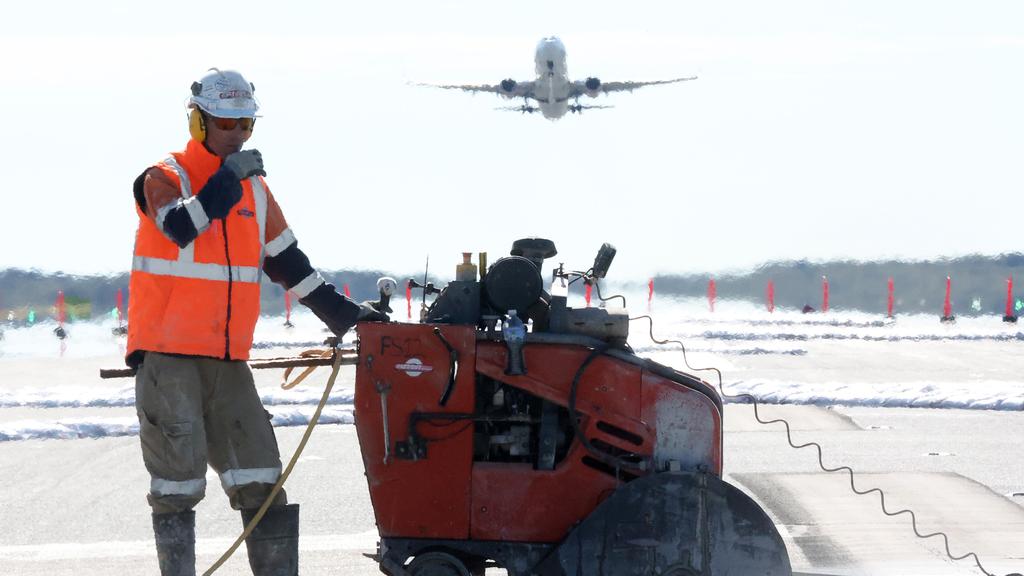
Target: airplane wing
593, 86
508, 88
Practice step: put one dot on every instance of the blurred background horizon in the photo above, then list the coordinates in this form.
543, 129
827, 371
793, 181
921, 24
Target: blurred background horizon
978, 286
816, 131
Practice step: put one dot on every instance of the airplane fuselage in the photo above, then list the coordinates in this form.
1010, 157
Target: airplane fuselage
552, 85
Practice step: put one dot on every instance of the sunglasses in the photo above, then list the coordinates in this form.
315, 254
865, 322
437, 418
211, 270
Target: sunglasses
231, 123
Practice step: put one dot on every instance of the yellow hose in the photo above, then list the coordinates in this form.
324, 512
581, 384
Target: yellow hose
284, 475
286, 385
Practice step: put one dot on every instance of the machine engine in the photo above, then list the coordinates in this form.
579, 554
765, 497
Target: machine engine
509, 429
593, 86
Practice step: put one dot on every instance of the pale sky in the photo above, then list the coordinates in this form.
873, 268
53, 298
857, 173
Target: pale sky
818, 130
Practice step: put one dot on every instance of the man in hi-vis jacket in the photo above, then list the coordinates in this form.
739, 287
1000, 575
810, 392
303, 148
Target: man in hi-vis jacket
208, 229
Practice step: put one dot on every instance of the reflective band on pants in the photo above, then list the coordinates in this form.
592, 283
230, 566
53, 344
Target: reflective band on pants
164, 487
241, 476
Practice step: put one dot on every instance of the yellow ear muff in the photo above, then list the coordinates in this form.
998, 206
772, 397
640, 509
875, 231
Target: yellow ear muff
196, 125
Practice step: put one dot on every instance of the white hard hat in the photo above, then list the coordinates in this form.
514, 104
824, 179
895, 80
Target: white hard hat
224, 94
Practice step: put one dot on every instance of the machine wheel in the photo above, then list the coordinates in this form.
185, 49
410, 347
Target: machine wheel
677, 523
437, 564
476, 566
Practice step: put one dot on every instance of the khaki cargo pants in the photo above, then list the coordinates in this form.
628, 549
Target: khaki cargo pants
195, 411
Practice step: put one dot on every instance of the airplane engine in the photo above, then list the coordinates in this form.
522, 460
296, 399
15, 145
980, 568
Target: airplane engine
593, 86
508, 87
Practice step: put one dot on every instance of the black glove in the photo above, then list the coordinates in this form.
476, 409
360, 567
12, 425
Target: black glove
368, 312
245, 163
339, 313
376, 306
221, 192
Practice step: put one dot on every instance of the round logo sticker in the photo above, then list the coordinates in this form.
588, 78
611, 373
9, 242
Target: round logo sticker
413, 367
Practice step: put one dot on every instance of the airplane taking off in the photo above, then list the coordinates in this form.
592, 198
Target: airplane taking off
552, 88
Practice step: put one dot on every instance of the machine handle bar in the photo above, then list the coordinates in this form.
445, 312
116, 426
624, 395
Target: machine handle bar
348, 357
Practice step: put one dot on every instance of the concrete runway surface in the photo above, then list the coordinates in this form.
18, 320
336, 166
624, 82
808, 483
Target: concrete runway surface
78, 507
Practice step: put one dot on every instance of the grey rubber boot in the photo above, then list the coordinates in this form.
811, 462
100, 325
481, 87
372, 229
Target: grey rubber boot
274, 544
176, 543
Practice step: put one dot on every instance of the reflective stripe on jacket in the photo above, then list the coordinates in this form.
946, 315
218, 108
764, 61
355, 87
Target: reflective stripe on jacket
203, 299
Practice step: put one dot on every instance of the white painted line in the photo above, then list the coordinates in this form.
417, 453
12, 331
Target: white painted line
143, 548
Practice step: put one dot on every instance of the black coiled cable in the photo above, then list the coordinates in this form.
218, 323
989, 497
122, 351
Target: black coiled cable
821, 463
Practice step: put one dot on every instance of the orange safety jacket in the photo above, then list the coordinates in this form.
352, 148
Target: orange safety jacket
202, 299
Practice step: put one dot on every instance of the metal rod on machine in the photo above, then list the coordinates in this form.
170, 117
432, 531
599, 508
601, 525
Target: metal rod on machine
383, 388
348, 357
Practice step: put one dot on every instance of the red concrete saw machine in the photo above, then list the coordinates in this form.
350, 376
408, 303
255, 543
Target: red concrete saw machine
507, 429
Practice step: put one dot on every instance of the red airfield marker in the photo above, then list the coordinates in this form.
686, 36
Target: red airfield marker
586, 296
824, 294
287, 308
712, 293
947, 306
891, 299
61, 312
1009, 296
347, 293
771, 296
61, 316
408, 299
1009, 316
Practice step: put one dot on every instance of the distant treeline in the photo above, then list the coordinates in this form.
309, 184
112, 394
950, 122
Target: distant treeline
95, 296
919, 286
